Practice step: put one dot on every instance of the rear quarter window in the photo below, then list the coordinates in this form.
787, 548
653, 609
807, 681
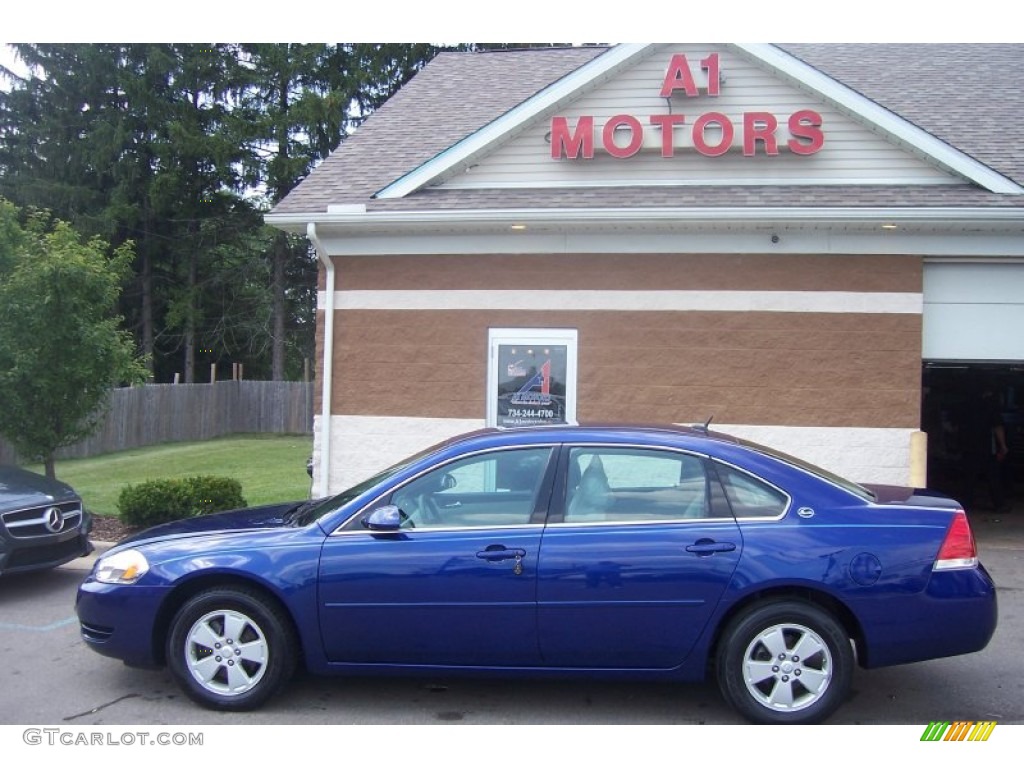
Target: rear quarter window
750, 496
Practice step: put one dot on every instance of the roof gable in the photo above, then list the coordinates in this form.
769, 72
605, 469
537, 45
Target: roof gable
966, 95
864, 142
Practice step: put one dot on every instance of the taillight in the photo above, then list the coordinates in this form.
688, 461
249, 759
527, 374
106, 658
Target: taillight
958, 549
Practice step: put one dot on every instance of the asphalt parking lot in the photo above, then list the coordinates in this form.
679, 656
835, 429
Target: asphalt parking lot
49, 677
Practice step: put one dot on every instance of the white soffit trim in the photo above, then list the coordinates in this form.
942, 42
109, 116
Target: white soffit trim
602, 66
905, 132
830, 302
994, 232
1011, 217
938, 245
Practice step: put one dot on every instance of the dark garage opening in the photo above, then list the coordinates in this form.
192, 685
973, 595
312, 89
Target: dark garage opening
952, 397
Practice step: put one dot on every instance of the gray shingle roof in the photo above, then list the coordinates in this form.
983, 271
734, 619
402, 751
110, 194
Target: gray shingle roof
454, 95
968, 95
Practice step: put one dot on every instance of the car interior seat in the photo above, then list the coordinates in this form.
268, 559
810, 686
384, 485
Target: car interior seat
592, 498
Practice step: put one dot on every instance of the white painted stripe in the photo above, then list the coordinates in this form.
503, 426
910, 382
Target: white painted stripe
633, 301
862, 454
363, 445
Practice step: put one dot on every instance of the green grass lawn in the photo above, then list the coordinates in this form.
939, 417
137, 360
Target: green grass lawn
271, 468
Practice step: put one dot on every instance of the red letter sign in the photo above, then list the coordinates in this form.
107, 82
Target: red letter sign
806, 124
710, 65
759, 126
636, 136
667, 123
698, 134
564, 144
678, 76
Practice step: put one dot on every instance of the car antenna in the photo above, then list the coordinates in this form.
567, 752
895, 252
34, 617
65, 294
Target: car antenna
704, 427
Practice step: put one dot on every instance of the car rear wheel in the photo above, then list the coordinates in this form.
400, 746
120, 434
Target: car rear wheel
231, 649
785, 662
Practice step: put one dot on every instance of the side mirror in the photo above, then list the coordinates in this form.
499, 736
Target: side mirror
384, 519
448, 482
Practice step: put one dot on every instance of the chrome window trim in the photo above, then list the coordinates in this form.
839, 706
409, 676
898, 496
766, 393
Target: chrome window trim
483, 451
748, 473
445, 529
645, 523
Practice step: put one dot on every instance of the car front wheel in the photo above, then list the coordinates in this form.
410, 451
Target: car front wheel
785, 662
231, 649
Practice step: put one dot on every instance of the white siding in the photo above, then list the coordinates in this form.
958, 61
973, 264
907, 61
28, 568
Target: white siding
851, 154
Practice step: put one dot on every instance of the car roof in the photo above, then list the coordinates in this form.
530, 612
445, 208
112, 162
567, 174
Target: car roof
588, 431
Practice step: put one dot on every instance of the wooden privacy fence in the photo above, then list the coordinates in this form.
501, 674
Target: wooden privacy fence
166, 413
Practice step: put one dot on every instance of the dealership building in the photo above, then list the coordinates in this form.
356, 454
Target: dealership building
819, 247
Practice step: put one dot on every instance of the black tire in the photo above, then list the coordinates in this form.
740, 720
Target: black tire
231, 649
785, 662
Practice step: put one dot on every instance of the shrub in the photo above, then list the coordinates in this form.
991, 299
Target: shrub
209, 493
161, 501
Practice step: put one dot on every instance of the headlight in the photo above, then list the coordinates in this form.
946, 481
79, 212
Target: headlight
125, 567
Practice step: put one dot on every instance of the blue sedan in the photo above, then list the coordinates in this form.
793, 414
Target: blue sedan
629, 552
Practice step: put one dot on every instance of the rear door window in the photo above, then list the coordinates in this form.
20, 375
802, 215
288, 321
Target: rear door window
634, 485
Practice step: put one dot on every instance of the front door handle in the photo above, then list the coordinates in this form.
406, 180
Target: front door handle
497, 552
706, 547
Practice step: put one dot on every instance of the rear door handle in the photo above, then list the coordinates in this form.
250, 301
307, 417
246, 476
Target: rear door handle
705, 547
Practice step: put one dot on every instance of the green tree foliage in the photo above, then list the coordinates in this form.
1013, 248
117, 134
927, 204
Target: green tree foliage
180, 149
300, 102
61, 345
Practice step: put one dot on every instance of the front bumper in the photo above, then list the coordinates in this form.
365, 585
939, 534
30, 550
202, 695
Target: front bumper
24, 555
120, 620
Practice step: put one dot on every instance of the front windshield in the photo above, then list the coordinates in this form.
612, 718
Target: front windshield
310, 511
824, 474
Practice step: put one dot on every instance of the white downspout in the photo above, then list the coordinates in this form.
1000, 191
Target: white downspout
328, 362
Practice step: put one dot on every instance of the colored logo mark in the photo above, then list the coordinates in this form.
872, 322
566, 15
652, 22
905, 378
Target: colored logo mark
961, 730
527, 394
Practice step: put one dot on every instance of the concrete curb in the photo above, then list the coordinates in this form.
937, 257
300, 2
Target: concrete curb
86, 562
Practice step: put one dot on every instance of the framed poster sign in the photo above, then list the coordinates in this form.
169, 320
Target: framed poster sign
531, 377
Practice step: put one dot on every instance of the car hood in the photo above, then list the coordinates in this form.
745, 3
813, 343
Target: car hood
251, 518
21, 488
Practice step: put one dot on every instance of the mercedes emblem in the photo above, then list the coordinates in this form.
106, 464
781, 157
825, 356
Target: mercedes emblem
54, 520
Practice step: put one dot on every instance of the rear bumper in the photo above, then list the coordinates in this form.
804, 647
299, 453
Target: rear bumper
961, 602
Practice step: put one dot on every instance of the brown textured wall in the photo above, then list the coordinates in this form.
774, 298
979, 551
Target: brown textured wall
779, 368
635, 272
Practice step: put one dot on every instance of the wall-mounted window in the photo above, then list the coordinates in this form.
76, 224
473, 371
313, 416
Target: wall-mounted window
531, 377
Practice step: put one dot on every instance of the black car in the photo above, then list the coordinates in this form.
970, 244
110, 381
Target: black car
42, 522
